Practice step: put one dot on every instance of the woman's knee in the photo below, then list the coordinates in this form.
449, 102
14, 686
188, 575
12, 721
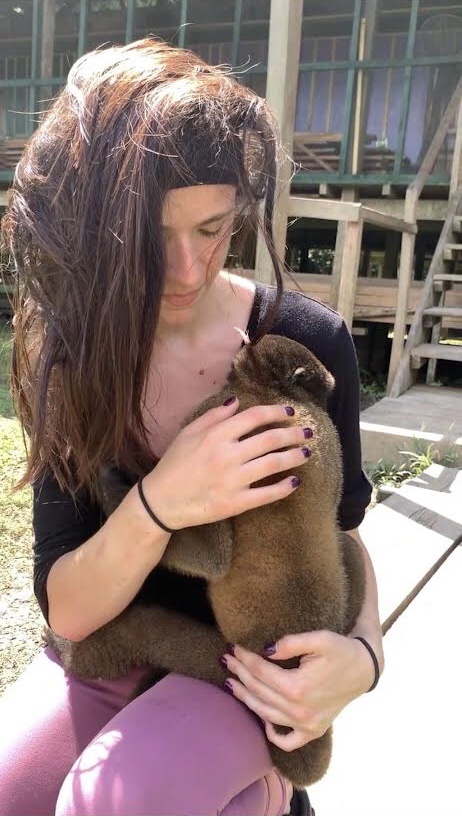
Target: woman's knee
184, 747
47, 717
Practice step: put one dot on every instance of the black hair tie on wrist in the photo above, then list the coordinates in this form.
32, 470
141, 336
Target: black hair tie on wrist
374, 660
149, 511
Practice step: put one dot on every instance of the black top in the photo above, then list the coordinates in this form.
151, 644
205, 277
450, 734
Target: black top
61, 526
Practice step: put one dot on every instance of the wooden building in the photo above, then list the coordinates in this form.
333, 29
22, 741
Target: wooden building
367, 93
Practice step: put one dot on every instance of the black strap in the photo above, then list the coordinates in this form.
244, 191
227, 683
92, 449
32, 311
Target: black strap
149, 511
374, 660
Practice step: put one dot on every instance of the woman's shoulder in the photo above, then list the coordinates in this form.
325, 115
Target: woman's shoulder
299, 317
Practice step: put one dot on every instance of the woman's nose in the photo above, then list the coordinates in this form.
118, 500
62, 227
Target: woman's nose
183, 261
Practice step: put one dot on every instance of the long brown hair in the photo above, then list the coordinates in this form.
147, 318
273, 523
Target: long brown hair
84, 230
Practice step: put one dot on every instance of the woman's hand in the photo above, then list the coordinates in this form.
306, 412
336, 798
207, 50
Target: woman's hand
333, 671
207, 472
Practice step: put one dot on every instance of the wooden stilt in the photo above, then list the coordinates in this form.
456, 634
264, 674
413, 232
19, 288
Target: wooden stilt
281, 93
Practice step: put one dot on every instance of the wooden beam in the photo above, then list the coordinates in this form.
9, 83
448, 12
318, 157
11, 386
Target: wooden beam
389, 222
320, 208
344, 210
281, 93
350, 264
48, 40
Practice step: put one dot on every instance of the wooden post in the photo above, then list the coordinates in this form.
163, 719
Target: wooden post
348, 194
47, 50
281, 93
353, 231
406, 268
456, 172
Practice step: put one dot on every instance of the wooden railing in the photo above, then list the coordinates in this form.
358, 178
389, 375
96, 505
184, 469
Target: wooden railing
406, 265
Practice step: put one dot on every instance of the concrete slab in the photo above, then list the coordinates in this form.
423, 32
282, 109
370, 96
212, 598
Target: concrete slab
398, 751
408, 532
429, 414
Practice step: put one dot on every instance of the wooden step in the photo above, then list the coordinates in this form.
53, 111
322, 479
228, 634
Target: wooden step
435, 351
444, 280
452, 252
457, 224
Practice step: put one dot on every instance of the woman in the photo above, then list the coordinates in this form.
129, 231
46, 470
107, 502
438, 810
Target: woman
123, 208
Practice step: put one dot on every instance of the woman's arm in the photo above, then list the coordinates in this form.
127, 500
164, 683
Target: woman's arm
368, 622
89, 586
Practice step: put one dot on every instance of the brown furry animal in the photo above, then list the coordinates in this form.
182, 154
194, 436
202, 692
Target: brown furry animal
280, 569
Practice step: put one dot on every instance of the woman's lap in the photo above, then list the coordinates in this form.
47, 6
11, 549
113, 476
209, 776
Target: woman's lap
182, 747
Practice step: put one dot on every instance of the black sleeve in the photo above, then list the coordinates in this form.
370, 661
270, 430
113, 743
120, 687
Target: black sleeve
323, 331
60, 526
344, 411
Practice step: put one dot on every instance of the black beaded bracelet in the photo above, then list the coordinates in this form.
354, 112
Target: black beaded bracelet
374, 660
148, 509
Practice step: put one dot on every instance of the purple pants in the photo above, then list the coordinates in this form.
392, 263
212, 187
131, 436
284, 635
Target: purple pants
75, 748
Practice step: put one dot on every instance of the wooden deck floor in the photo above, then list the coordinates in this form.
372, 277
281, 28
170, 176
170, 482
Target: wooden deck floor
429, 414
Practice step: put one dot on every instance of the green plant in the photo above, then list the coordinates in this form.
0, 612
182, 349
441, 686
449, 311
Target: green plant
385, 472
417, 460
373, 386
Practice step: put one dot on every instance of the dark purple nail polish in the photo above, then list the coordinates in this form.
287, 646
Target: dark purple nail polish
295, 481
229, 400
307, 433
289, 410
230, 648
306, 452
269, 649
223, 661
228, 687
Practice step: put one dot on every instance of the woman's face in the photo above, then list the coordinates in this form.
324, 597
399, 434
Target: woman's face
197, 224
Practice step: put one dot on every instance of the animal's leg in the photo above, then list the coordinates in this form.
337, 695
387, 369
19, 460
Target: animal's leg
150, 636
305, 765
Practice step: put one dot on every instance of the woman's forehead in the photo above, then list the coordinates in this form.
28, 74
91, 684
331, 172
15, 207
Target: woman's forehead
191, 206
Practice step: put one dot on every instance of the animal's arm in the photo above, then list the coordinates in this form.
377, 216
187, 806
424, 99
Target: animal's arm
368, 622
150, 636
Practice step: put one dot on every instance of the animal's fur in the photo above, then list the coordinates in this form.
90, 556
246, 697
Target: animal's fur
280, 569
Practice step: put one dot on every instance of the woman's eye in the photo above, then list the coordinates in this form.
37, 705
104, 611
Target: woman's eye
210, 233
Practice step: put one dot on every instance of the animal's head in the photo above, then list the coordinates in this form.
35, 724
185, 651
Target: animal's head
285, 366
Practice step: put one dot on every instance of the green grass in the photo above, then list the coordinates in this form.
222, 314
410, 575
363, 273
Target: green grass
6, 342
19, 614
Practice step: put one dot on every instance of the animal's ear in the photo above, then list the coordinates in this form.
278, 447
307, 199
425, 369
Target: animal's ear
314, 379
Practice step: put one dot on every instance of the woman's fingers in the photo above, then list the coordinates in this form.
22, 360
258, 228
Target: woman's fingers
273, 463
274, 439
248, 421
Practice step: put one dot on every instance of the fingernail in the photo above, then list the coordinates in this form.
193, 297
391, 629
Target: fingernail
229, 400
289, 410
223, 661
306, 452
295, 481
307, 433
269, 649
228, 687
230, 648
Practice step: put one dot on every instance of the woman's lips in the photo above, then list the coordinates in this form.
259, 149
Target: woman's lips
181, 300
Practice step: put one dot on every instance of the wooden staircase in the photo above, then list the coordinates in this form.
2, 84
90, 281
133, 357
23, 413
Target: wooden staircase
423, 341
